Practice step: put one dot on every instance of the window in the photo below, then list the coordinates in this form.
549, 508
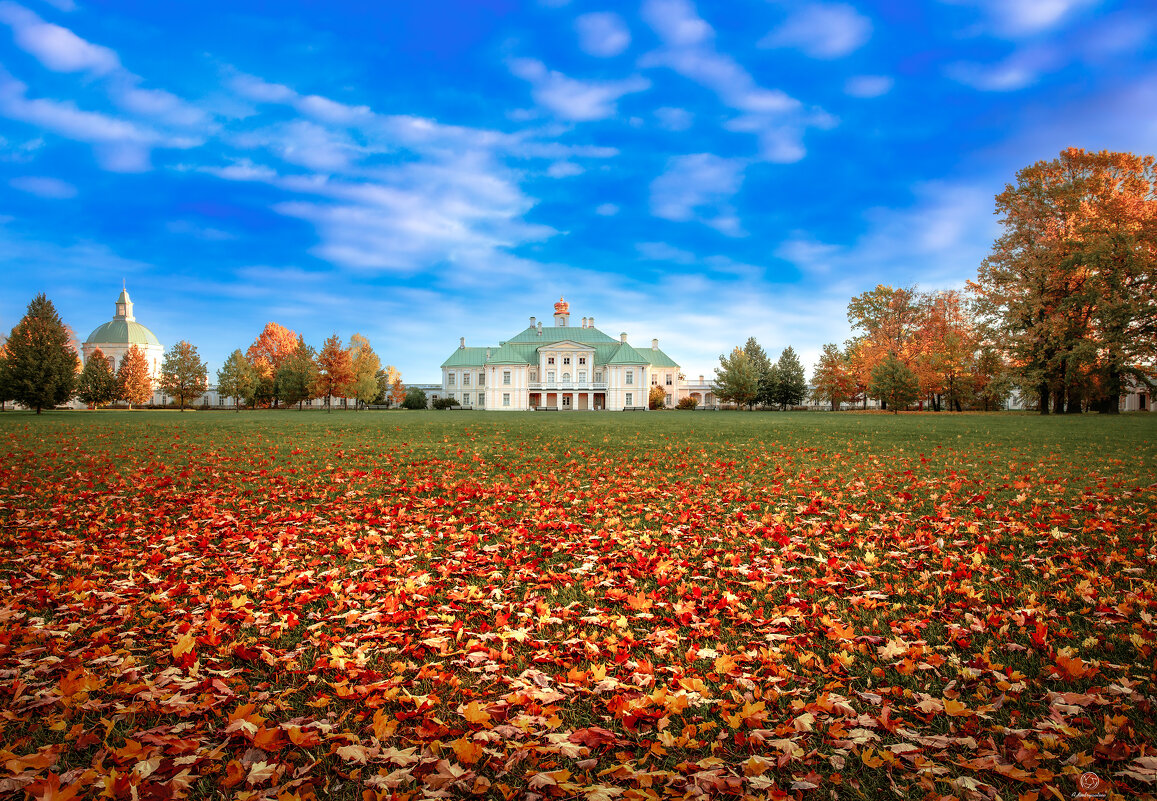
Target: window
481, 378
112, 363
550, 360
582, 376
667, 399
598, 376
550, 376
566, 359
506, 377
450, 381
654, 380
668, 379
565, 401
534, 375
630, 399
582, 359
566, 378
466, 379
630, 376
505, 398
482, 400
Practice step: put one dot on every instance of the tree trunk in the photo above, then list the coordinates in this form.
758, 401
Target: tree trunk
1043, 389
1059, 401
1074, 404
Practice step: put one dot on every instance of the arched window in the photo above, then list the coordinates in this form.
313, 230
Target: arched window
566, 377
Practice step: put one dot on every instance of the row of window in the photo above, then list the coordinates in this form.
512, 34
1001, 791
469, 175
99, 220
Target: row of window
566, 360
466, 379
550, 376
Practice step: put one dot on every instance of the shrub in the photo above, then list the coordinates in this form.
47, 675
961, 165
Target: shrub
687, 403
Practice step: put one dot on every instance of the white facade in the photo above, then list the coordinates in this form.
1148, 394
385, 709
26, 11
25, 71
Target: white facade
117, 336
563, 367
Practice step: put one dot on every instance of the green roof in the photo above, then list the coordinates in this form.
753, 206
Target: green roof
627, 355
513, 354
658, 358
466, 357
123, 332
557, 333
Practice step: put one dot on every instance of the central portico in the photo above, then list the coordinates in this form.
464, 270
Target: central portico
564, 367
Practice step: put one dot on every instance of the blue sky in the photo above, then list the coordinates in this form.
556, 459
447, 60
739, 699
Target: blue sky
416, 172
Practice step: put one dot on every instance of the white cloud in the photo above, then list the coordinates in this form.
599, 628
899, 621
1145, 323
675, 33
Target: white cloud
868, 85
606, 210
571, 99
602, 34
564, 169
778, 119
698, 187
1020, 18
42, 186
662, 251
55, 47
821, 30
1022, 68
674, 119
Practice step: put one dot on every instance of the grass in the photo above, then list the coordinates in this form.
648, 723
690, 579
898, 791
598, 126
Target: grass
909, 597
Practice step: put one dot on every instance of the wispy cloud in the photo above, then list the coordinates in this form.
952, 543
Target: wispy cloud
662, 251
1021, 18
778, 119
1020, 69
868, 86
45, 187
572, 99
699, 187
602, 34
821, 30
55, 47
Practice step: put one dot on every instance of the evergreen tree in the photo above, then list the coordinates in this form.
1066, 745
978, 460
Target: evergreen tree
415, 399
237, 379
5, 383
297, 379
183, 375
832, 380
133, 382
736, 379
894, 383
764, 370
97, 384
790, 380
41, 364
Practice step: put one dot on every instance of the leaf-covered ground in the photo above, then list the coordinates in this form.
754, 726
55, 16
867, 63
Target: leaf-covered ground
586, 606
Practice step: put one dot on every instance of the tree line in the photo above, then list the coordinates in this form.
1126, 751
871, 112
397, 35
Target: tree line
40, 368
1063, 311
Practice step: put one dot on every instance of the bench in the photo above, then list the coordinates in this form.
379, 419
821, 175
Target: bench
634, 408
546, 408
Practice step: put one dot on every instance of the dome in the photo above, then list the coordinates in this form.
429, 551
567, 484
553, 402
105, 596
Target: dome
562, 307
122, 332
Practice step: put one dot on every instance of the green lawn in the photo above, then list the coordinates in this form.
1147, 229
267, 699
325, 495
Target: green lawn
591, 605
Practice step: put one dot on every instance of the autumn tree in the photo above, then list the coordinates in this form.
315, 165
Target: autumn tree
894, 383
944, 352
398, 392
386, 378
237, 379
790, 380
736, 379
1069, 288
832, 381
97, 384
268, 352
656, 398
334, 370
133, 382
41, 363
297, 377
365, 365
990, 381
183, 375
6, 390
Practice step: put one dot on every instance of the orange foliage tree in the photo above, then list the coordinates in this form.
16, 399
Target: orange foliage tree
1069, 288
133, 382
335, 370
267, 354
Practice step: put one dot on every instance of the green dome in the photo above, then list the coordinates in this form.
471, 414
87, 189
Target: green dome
122, 332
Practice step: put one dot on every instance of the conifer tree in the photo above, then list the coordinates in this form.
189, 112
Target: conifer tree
183, 375
41, 363
790, 380
764, 369
133, 382
97, 384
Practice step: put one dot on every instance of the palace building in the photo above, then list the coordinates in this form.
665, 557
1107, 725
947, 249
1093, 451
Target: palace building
564, 367
115, 337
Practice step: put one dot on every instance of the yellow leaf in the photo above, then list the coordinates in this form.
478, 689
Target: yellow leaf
184, 645
956, 709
